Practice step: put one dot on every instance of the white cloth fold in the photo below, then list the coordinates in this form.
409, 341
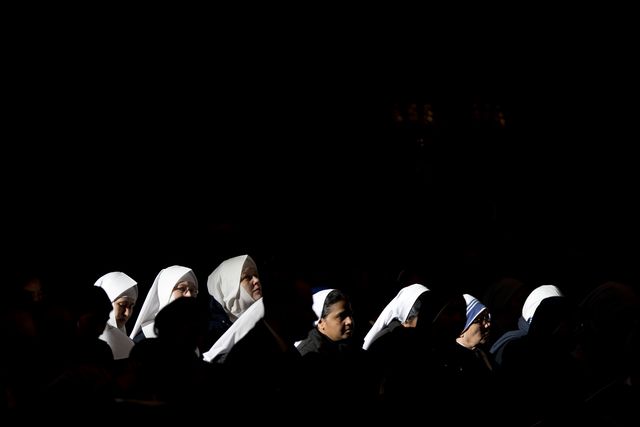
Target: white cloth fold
160, 295
474, 308
318, 302
236, 331
117, 284
528, 311
224, 286
398, 308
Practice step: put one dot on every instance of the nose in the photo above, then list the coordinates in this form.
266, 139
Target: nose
348, 320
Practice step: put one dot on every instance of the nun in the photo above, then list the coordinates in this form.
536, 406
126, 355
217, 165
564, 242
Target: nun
122, 291
170, 284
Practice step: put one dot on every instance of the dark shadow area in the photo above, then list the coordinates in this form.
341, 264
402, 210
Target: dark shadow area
147, 157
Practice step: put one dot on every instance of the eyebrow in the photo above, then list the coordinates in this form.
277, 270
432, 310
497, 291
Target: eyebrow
186, 286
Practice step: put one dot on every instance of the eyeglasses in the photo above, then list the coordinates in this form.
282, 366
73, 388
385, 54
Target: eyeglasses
484, 319
184, 289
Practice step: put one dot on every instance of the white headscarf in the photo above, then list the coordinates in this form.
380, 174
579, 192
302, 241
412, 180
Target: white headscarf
528, 311
160, 295
119, 342
236, 331
398, 308
535, 298
117, 284
224, 286
474, 308
318, 302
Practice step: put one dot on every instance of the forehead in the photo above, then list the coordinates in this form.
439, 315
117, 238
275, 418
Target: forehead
249, 265
338, 307
185, 283
125, 300
250, 269
483, 315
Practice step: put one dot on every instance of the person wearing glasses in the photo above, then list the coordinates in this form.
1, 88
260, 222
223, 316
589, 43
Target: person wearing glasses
474, 336
170, 284
122, 290
474, 365
476, 328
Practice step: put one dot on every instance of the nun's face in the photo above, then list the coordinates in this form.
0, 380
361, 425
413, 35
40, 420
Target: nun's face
338, 324
250, 281
477, 332
185, 288
123, 307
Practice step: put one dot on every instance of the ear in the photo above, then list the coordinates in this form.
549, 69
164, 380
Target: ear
322, 324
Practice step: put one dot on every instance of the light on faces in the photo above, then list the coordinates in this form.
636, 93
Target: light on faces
477, 332
123, 308
250, 280
184, 289
338, 323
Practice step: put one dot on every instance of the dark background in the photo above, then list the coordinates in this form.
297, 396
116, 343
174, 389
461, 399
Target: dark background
140, 153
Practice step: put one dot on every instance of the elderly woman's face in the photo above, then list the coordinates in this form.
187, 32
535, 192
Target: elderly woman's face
477, 332
250, 281
184, 289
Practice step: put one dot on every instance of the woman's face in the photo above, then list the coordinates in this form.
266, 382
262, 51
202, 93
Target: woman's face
338, 324
123, 307
250, 281
477, 332
185, 288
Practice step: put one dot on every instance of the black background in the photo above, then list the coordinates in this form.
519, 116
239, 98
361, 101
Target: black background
134, 153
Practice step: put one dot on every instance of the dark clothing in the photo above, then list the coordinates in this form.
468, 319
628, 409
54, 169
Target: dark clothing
316, 342
342, 365
139, 337
218, 323
387, 350
540, 375
386, 338
259, 363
